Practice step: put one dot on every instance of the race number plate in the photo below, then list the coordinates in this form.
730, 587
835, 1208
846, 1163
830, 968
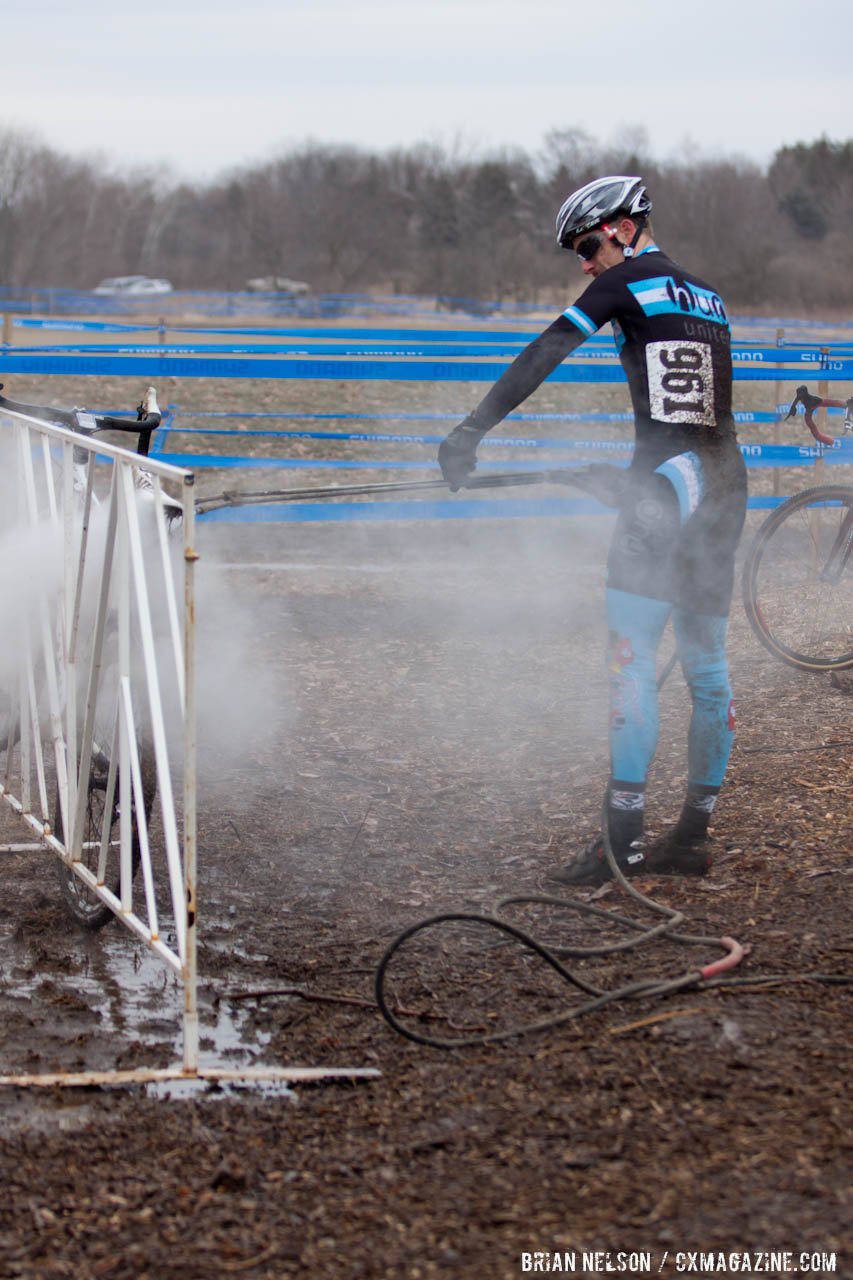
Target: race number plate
681, 382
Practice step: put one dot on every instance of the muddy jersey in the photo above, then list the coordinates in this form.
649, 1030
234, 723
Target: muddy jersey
673, 339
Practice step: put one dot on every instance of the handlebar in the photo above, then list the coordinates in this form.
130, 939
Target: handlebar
148, 418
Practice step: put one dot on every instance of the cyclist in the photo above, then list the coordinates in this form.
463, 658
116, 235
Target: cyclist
681, 506
810, 403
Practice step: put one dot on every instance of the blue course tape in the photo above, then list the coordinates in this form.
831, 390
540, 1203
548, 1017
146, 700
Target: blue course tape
790, 355
755, 455
815, 360
13, 361
396, 350
83, 326
193, 460
443, 509
386, 437
528, 442
461, 509
456, 416
842, 369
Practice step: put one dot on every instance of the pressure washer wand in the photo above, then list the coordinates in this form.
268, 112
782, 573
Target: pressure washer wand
499, 480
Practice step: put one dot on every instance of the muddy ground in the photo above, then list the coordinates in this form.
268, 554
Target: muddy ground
426, 734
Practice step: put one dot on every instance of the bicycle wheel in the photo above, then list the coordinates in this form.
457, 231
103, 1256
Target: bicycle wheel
84, 904
797, 582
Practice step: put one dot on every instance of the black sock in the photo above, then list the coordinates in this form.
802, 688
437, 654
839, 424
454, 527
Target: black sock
625, 816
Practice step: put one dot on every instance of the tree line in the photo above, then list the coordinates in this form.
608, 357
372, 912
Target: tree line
428, 220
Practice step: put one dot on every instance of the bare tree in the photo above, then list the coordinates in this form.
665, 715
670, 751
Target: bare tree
428, 219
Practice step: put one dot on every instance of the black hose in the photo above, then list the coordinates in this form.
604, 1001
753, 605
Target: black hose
650, 987
599, 998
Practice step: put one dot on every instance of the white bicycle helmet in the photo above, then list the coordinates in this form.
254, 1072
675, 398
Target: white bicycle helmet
590, 206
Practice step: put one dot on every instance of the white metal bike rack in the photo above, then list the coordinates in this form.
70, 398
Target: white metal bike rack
111, 579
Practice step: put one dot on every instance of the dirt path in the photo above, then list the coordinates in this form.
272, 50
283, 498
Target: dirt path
418, 727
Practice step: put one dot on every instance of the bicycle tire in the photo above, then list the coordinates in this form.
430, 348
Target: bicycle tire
87, 909
798, 615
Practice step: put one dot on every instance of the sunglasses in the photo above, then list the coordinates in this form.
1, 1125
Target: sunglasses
589, 246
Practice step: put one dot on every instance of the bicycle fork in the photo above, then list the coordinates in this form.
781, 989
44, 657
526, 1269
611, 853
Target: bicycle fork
836, 561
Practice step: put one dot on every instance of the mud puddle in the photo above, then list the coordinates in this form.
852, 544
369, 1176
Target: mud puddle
109, 996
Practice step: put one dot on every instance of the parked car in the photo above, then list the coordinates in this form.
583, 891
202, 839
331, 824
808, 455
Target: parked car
278, 284
132, 284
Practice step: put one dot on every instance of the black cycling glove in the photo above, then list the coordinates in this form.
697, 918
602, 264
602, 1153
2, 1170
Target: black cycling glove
457, 455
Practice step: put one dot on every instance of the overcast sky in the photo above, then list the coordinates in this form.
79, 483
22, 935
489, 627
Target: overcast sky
206, 86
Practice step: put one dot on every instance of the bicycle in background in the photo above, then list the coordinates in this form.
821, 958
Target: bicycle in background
797, 580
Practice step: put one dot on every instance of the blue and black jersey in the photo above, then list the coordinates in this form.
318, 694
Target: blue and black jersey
673, 339
674, 342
